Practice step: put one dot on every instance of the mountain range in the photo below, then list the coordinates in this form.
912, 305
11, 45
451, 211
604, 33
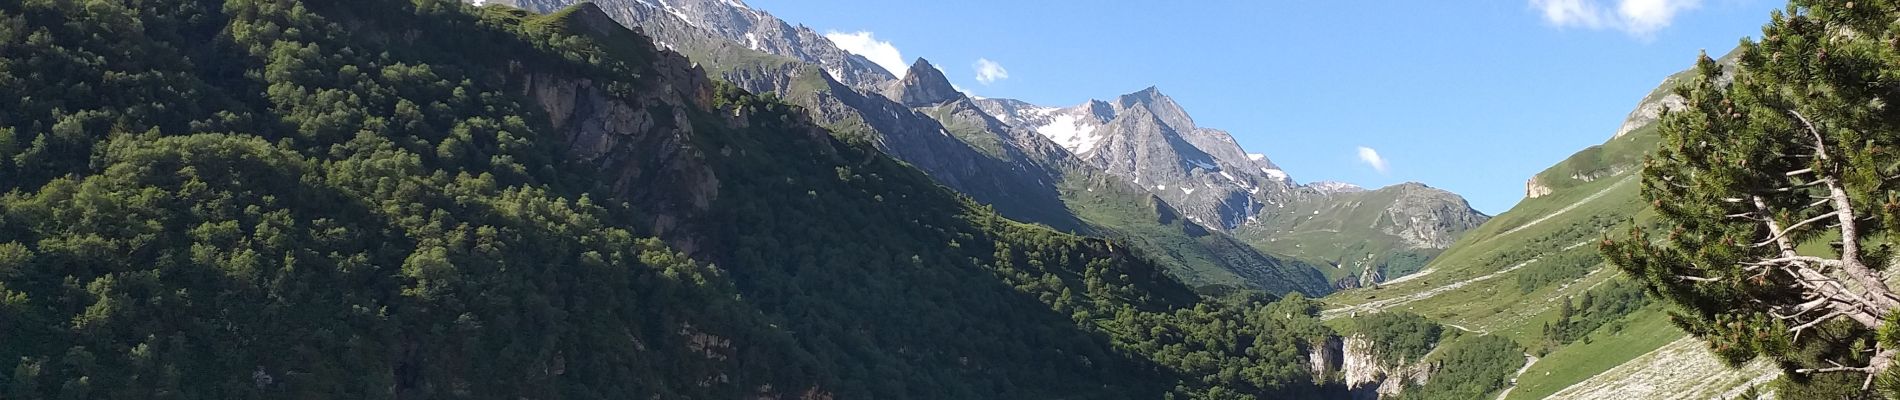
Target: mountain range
694, 199
1136, 168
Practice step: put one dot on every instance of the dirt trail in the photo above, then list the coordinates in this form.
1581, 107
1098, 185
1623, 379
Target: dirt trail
1593, 197
1382, 304
1520, 228
1529, 360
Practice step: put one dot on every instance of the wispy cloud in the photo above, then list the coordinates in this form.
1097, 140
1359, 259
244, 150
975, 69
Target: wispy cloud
989, 71
1640, 18
864, 43
1371, 158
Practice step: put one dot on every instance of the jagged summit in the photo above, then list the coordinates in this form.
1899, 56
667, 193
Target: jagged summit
1161, 105
923, 84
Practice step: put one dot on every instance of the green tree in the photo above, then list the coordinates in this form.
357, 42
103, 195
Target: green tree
1776, 191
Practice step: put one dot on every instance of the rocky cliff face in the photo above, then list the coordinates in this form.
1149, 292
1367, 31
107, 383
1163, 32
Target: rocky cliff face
1147, 138
1370, 377
1650, 111
1423, 217
1535, 189
922, 85
731, 21
652, 163
844, 96
1013, 155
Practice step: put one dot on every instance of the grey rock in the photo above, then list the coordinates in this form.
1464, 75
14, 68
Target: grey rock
923, 85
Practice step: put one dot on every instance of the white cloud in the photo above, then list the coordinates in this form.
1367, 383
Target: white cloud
864, 44
989, 71
1371, 158
1640, 18
966, 91
1582, 13
1643, 17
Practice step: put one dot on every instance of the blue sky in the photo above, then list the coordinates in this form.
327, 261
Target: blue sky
1469, 96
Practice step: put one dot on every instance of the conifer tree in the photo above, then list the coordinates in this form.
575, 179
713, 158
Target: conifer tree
1775, 186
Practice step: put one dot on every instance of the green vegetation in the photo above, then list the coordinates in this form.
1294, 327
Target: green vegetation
1736, 181
1516, 269
1471, 367
1558, 267
1346, 230
357, 199
1399, 337
1643, 331
1604, 305
1209, 261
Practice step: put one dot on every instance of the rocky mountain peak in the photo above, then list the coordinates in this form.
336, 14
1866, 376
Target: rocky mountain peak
1335, 187
1161, 105
923, 85
1101, 110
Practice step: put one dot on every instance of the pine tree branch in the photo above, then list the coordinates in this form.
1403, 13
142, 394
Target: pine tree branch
1882, 360
1825, 262
1781, 242
1798, 329
1791, 228
1824, 286
1870, 280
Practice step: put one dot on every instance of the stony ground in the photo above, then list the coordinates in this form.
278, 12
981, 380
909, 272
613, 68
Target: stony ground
1683, 369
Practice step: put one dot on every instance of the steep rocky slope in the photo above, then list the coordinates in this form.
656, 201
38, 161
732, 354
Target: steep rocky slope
1014, 158
436, 200
1360, 236
923, 120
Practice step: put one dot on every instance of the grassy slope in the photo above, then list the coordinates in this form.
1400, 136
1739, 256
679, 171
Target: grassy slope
1201, 258
1339, 234
1539, 235
1643, 332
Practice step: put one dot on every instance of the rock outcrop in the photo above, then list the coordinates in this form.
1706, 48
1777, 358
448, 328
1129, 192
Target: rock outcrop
1369, 377
923, 85
1535, 189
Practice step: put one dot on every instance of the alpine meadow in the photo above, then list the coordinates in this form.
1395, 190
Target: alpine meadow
704, 199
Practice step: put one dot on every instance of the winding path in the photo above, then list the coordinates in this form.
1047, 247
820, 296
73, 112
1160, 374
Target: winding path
1382, 304
1529, 360
1593, 197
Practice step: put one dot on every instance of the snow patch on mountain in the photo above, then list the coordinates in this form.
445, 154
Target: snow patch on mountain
1203, 165
1071, 132
1331, 187
676, 12
1275, 174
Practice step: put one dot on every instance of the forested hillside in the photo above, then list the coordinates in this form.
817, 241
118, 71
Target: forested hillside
402, 199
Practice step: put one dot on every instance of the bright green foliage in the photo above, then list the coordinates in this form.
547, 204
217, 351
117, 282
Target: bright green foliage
1399, 336
354, 199
1823, 71
1603, 305
1473, 367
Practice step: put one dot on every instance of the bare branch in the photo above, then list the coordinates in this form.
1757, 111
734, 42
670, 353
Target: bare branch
1786, 246
1698, 278
1826, 262
1790, 229
1883, 359
1817, 321
1850, 249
